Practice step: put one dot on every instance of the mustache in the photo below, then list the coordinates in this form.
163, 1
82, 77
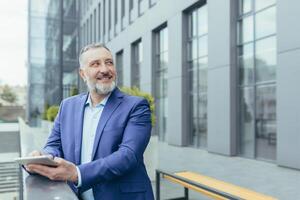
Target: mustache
104, 75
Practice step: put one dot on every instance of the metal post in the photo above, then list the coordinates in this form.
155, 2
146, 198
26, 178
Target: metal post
157, 180
186, 193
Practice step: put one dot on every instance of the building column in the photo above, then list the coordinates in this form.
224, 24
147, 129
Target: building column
146, 67
288, 81
176, 133
221, 78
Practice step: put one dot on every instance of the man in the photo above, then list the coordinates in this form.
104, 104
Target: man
99, 138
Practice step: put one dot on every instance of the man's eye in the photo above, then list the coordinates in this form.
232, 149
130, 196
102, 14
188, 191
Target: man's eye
109, 63
94, 64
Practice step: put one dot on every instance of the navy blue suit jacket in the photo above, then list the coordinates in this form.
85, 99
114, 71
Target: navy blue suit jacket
117, 169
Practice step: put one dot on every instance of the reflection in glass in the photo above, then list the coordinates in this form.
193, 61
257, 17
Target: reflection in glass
202, 79
202, 122
194, 49
202, 20
260, 4
265, 59
119, 67
202, 46
246, 30
136, 63
257, 81
245, 6
246, 64
197, 72
265, 123
246, 116
161, 81
265, 22
194, 23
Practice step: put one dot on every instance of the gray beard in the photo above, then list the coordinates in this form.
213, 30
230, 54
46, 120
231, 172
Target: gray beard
101, 89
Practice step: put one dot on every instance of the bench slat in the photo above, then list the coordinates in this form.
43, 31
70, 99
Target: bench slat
222, 186
197, 189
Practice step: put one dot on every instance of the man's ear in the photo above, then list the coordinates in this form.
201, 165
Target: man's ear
81, 73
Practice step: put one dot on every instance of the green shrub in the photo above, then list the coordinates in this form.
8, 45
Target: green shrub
44, 115
74, 91
136, 92
52, 112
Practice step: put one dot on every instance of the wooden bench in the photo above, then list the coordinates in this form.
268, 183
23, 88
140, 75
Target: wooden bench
208, 186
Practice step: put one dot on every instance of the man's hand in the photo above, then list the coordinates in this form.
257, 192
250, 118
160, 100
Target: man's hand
65, 171
33, 153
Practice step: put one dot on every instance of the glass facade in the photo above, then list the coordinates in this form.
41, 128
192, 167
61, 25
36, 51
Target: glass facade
43, 56
136, 62
161, 80
197, 73
52, 54
257, 78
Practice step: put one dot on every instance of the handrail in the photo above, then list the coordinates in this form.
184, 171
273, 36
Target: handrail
36, 187
204, 187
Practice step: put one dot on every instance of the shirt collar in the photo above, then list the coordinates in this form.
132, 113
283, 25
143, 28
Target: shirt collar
102, 103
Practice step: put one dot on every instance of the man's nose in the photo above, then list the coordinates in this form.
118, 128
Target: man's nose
103, 68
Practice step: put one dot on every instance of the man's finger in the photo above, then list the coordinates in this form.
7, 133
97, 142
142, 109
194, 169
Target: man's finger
35, 153
58, 160
43, 170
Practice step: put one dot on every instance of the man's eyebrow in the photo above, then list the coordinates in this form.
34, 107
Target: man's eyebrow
108, 59
93, 61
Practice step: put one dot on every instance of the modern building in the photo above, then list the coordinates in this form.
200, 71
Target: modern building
52, 53
224, 73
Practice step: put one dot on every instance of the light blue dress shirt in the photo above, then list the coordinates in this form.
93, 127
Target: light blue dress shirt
91, 119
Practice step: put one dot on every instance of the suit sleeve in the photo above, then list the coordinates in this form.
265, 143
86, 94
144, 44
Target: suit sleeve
53, 145
134, 142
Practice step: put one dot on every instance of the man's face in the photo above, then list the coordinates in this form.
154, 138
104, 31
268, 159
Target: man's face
98, 70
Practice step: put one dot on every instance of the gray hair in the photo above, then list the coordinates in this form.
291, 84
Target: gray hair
88, 47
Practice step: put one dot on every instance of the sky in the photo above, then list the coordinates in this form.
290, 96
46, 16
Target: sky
13, 42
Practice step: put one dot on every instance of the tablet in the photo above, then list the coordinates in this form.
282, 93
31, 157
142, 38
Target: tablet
42, 160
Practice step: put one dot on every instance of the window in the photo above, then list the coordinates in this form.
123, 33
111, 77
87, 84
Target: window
99, 22
257, 78
123, 8
104, 18
91, 29
197, 72
119, 67
123, 14
161, 80
95, 26
152, 2
116, 12
87, 31
136, 62
109, 18
131, 11
142, 6
83, 35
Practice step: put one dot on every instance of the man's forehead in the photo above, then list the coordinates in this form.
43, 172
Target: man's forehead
99, 53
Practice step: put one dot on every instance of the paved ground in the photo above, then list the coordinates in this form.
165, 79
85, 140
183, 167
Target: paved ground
268, 178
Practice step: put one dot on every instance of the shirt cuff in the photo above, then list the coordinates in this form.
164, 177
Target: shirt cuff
79, 178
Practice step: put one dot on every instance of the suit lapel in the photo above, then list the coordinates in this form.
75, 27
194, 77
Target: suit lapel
78, 123
111, 105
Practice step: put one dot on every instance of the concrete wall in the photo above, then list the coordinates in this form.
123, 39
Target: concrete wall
288, 81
